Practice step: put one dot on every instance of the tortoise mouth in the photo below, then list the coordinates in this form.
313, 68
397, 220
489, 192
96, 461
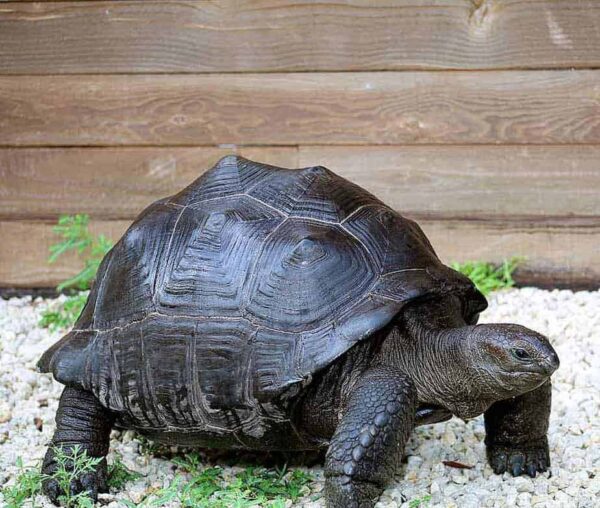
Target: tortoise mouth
510, 383
526, 375
540, 367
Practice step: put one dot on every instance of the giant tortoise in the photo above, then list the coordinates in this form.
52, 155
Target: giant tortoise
274, 309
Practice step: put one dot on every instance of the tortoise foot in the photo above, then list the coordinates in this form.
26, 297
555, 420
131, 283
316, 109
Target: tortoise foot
343, 492
518, 460
89, 481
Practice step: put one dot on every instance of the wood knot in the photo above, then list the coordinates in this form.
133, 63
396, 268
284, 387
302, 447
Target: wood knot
480, 16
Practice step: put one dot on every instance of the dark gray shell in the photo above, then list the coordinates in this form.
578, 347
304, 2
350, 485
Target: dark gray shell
245, 283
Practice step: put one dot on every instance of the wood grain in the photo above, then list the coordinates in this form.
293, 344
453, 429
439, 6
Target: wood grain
529, 107
24, 256
558, 254
107, 183
442, 182
467, 182
265, 36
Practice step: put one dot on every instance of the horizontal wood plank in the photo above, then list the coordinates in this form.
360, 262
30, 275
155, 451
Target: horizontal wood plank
505, 107
429, 181
556, 254
264, 36
24, 258
465, 182
107, 183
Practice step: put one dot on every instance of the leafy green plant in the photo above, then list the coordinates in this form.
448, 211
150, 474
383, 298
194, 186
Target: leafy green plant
210, 488
149, 447
71, 464
489, 277
119, 474
74, 230
27, 485
75, 236
66, 314
419, 501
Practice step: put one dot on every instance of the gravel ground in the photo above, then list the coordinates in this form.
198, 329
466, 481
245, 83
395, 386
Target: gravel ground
571, 320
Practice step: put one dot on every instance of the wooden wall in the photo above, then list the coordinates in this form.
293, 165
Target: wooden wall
480, 119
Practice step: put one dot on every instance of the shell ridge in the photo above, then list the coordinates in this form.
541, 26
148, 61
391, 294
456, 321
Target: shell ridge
280, 212
166, 254
251, 275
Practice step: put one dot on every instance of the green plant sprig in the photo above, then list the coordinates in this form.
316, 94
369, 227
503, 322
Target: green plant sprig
71, 463
196, 485
74, 230
119, 474
28, 484
75, 236
489, 277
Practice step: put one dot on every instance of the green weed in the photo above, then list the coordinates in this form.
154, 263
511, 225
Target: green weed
75, 236
119, 474
487, 276
70, 464
27, 485
66, 314
419, 501
210, 488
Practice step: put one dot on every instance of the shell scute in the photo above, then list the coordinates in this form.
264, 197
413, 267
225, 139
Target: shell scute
312, 193
222, 351
124, 289
305, 274
232, 175
212, 251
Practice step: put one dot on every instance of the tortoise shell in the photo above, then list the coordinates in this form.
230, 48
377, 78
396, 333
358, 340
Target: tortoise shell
242, 286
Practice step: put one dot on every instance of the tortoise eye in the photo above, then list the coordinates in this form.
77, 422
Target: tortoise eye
520, 354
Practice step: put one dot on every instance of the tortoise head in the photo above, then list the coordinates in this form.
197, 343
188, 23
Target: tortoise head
462, 367
510, 359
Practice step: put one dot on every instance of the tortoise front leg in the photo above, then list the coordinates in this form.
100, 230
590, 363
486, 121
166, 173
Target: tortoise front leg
80, 421
367, 446
517, 431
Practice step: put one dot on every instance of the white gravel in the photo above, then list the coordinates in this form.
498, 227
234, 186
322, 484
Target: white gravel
571, 320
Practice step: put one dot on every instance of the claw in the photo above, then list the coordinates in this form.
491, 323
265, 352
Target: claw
516, 464
89, 484
74, 487
518, 461
499, 465
52, 491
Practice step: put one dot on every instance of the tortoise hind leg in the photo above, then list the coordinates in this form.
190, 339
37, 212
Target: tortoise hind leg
367, 446
80, 422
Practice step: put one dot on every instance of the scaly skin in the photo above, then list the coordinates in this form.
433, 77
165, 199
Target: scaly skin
367, 446
80, 420
516, 433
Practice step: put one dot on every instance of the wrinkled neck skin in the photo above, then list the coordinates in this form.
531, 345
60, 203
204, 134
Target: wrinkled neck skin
431, 343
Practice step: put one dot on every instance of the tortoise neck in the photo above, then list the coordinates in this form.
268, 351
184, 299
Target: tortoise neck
434, 358
430, 343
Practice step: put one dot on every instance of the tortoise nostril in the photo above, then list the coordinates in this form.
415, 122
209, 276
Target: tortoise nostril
551, 363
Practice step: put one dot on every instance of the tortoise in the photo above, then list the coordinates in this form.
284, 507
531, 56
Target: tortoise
265, 308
